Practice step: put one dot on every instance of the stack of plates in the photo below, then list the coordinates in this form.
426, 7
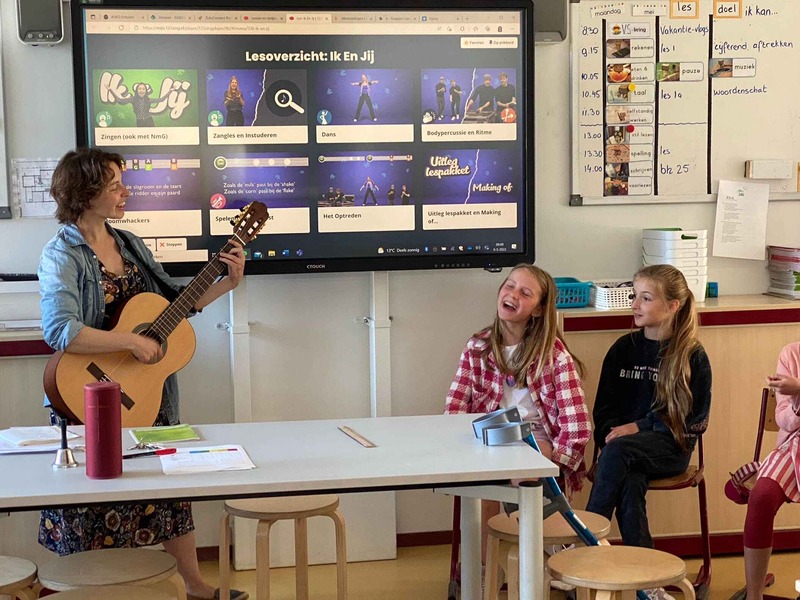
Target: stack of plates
685, 250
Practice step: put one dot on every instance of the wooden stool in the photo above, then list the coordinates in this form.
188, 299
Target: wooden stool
111, 567
502, 549
16, 578
117, 592
624, 569
268, 511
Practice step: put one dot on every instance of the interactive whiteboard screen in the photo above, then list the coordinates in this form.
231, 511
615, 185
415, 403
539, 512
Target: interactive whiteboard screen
398, 137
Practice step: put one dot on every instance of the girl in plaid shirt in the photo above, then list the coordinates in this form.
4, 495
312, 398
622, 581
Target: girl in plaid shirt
522, 360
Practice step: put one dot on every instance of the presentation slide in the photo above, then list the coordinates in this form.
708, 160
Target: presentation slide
366, 133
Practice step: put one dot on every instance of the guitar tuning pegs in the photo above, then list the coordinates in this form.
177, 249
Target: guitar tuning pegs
233, 222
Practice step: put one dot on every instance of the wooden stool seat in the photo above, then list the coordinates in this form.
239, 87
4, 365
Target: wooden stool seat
17, 575
503, 546
556, 529
114, 566
268, 511
290, 507
619, 568
115, 592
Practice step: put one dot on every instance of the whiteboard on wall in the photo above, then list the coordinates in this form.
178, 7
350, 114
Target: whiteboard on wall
671, 96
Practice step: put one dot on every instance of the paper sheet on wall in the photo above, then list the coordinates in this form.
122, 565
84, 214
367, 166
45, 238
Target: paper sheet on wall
30, 186
740, 229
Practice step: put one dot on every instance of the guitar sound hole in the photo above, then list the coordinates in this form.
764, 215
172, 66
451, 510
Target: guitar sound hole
144, 329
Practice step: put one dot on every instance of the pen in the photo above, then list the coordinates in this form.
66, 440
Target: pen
160, 452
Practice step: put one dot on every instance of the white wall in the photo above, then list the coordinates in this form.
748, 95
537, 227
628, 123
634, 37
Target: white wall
309, 357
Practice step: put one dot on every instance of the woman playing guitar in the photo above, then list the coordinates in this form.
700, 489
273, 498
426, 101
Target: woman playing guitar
85, 272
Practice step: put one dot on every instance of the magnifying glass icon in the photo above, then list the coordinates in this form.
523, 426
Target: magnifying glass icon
283, 98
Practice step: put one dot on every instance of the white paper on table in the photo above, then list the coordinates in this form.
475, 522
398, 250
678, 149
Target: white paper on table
206, 458
740, 229
32, 436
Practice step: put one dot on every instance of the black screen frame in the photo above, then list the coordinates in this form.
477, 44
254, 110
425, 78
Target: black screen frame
493, 261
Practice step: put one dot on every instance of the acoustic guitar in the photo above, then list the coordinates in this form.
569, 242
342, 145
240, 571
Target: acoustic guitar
151, 315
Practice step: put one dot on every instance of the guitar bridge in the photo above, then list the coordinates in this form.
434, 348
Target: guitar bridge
100, 375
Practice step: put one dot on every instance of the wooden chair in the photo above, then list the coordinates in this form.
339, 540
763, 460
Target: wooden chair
112, 567
692, 477
502, 550
766, 422
17, 577
269, 510
618, 571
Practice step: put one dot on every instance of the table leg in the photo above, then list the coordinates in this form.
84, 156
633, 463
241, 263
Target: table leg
470, 549
531, 558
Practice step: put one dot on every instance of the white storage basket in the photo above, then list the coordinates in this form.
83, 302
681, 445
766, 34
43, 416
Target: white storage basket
607, 293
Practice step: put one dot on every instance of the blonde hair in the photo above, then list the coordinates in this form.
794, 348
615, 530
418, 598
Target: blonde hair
229, 93
539, 337
673, 395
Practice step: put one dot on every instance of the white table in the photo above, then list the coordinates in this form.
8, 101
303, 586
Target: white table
308, 457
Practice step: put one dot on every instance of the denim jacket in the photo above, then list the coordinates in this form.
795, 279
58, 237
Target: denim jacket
72, 297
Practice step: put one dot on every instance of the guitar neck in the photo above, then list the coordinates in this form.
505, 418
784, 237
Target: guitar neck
180, 308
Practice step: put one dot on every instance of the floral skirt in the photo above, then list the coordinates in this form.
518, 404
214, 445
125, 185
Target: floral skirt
69, 530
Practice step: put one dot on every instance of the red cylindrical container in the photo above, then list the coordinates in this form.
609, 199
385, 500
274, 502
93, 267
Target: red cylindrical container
103, 429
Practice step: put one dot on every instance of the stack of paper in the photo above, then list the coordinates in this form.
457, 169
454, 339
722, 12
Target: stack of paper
34, 436
784, 272
164, 435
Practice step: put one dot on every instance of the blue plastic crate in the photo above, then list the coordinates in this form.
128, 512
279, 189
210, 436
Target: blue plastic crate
572, 293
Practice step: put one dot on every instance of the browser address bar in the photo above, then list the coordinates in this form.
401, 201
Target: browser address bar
178, 28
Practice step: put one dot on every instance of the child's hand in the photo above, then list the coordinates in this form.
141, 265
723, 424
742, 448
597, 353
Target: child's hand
628, 429
784, 384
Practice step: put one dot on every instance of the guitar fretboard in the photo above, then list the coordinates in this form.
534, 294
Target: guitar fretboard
180, 308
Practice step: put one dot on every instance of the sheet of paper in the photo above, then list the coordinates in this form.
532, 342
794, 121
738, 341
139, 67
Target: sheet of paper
740, 229
9, 448
208, 458
32, 436
30, 186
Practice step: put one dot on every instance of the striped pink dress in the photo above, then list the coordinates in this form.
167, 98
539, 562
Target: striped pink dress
782, 464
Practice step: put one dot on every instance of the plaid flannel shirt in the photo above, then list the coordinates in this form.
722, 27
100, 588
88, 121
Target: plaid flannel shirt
478, 388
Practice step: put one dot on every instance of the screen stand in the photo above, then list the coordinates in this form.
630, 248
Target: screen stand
239, 331
380, 323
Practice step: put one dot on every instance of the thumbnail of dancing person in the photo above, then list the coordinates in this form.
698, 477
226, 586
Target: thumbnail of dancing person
370, 187
365, 86
329, 198
339, 198
405, 195
505, 95
482, 96
86, 271
390, 195
777, 481
141, 102
441, 88
455, 101
234, 103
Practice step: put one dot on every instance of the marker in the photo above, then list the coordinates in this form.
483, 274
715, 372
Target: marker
160, 452
214, 450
